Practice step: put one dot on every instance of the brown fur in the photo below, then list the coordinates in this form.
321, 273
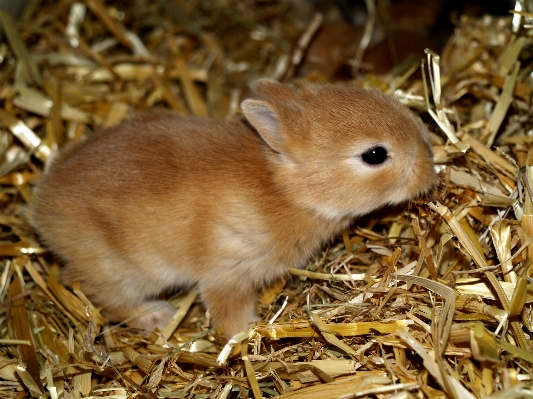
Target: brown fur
164, 201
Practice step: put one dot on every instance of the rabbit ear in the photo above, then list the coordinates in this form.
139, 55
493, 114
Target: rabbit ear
266, 120
272, 89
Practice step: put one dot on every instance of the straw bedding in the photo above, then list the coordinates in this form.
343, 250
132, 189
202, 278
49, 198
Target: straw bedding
431, 299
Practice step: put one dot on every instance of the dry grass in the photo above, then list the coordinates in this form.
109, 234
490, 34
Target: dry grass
431, 300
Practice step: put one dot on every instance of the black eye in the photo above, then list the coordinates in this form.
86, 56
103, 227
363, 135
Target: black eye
375, 156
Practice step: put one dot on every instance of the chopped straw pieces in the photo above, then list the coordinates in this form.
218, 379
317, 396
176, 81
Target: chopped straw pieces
430, 299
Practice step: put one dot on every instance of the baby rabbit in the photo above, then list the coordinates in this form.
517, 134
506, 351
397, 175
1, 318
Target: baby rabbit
166, 201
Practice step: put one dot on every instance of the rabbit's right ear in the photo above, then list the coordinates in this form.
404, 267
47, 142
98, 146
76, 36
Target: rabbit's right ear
271, 89
263, 116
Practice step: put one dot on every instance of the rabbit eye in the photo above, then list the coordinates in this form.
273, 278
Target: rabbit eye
375, 156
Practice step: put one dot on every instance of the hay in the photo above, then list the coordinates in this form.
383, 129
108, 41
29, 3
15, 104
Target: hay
428, 300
